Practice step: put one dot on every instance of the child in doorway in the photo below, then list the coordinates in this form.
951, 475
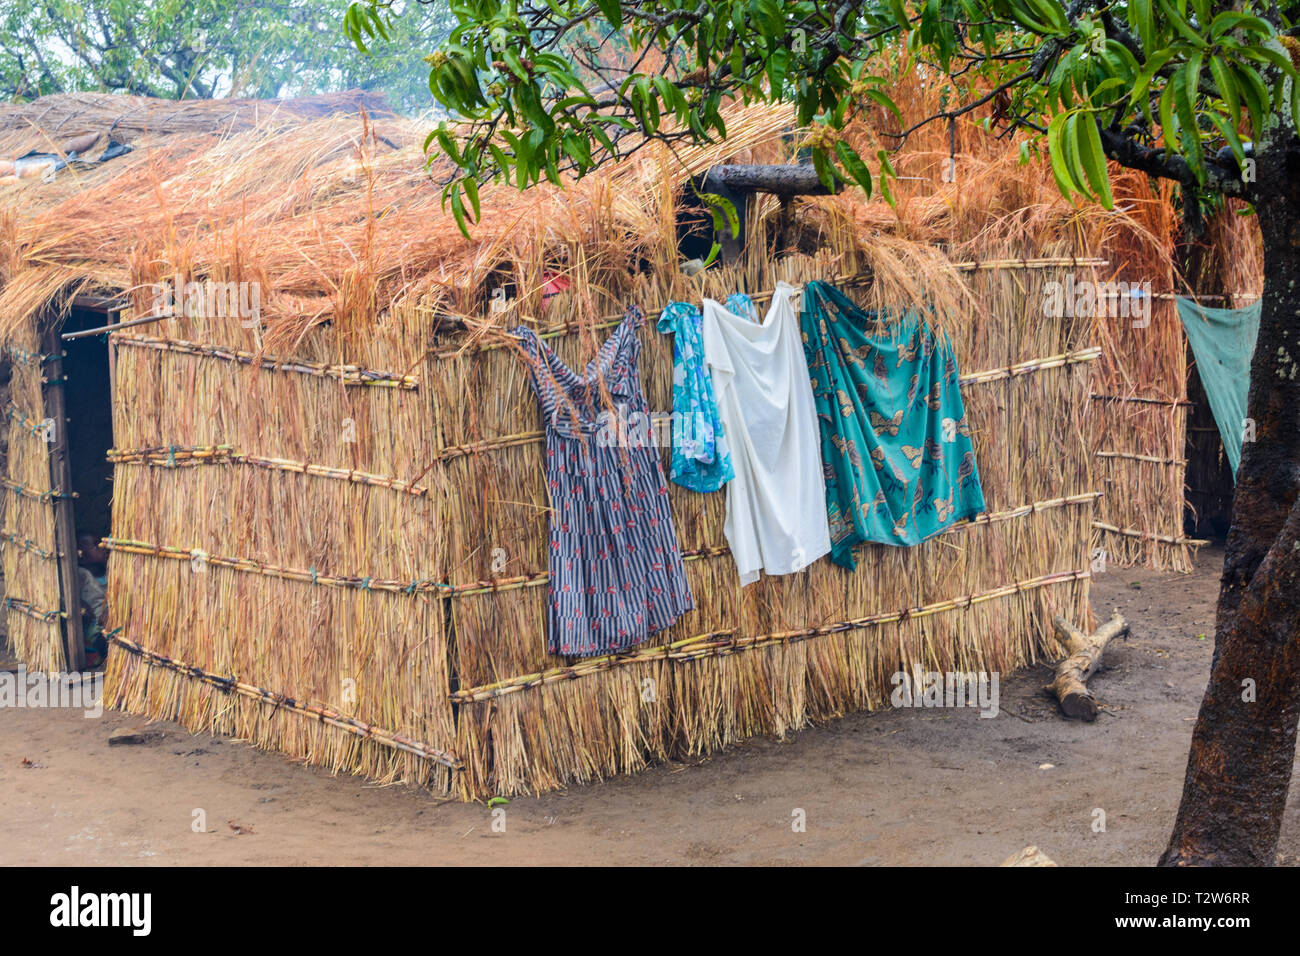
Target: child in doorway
93, 577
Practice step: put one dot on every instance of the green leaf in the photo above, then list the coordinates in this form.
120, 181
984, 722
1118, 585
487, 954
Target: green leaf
613, 11
1051, 13
1111, 83
458, 210
1139, 13
825, 170
1153, 65
1056, 154
1264, 54
1255, 94
883, 99
471, 190
1225, 128
1122, 53
886, 167
1235, 20
1021, 16
1227, 85
853, 163
1167, 126
724, 213
1185, 83
1181, 25
1070, 153
1093, 158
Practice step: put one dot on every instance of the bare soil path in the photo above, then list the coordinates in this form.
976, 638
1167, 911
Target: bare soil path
899, 787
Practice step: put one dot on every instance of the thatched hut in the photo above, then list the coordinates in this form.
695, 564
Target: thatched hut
328, 525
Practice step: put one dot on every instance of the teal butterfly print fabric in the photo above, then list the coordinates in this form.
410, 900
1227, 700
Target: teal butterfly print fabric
896, 448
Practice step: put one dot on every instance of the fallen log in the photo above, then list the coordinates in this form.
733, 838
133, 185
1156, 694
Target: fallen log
1082, 655
789, 179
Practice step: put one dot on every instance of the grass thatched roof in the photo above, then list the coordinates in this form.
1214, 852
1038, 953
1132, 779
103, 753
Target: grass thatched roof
335, 214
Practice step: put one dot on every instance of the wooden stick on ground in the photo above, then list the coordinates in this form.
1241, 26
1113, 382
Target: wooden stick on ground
1083, 654
1029, 856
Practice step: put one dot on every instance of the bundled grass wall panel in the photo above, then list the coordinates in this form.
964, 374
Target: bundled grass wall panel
1144, 358
565, 731
30, 578
373, 655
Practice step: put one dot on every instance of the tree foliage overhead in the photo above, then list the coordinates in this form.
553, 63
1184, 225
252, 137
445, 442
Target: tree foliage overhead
1178, 88
203, 48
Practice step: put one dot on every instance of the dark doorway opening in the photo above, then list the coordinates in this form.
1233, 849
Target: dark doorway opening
1209, 474
87, 398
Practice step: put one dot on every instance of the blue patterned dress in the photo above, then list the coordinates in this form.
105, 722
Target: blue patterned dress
616, 573
701, 459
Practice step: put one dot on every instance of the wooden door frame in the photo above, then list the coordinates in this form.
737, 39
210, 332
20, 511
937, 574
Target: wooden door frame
65, 531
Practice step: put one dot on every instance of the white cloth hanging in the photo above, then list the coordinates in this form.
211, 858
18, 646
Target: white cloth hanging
776, 504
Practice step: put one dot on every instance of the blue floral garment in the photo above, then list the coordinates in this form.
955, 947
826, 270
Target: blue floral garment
701, 460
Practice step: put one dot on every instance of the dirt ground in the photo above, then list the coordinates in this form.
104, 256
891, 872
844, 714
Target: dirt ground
903, 787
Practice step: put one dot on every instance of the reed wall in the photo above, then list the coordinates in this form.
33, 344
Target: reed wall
32, 600
1138, 430
1138, 418
370, 596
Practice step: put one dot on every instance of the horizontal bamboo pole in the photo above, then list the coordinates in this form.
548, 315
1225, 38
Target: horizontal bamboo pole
16, 414
696, 651
347, 374
24, 357
1216, 297
191, 455
1127, 456
44, 494
8, 536
323, 714
115, 326
722, 643
32, 611
182, 456
392, 586
1090, 354
1142, 401
1033, 365
492, 444
849, 280
309, 576
1149, 535
593, 665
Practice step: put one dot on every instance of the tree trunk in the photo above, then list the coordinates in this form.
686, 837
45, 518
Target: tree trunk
1243, 745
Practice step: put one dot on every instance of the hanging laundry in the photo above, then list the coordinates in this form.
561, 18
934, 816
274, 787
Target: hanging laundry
1223, 342
616, 573
701, 460
900, 465
776, 519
